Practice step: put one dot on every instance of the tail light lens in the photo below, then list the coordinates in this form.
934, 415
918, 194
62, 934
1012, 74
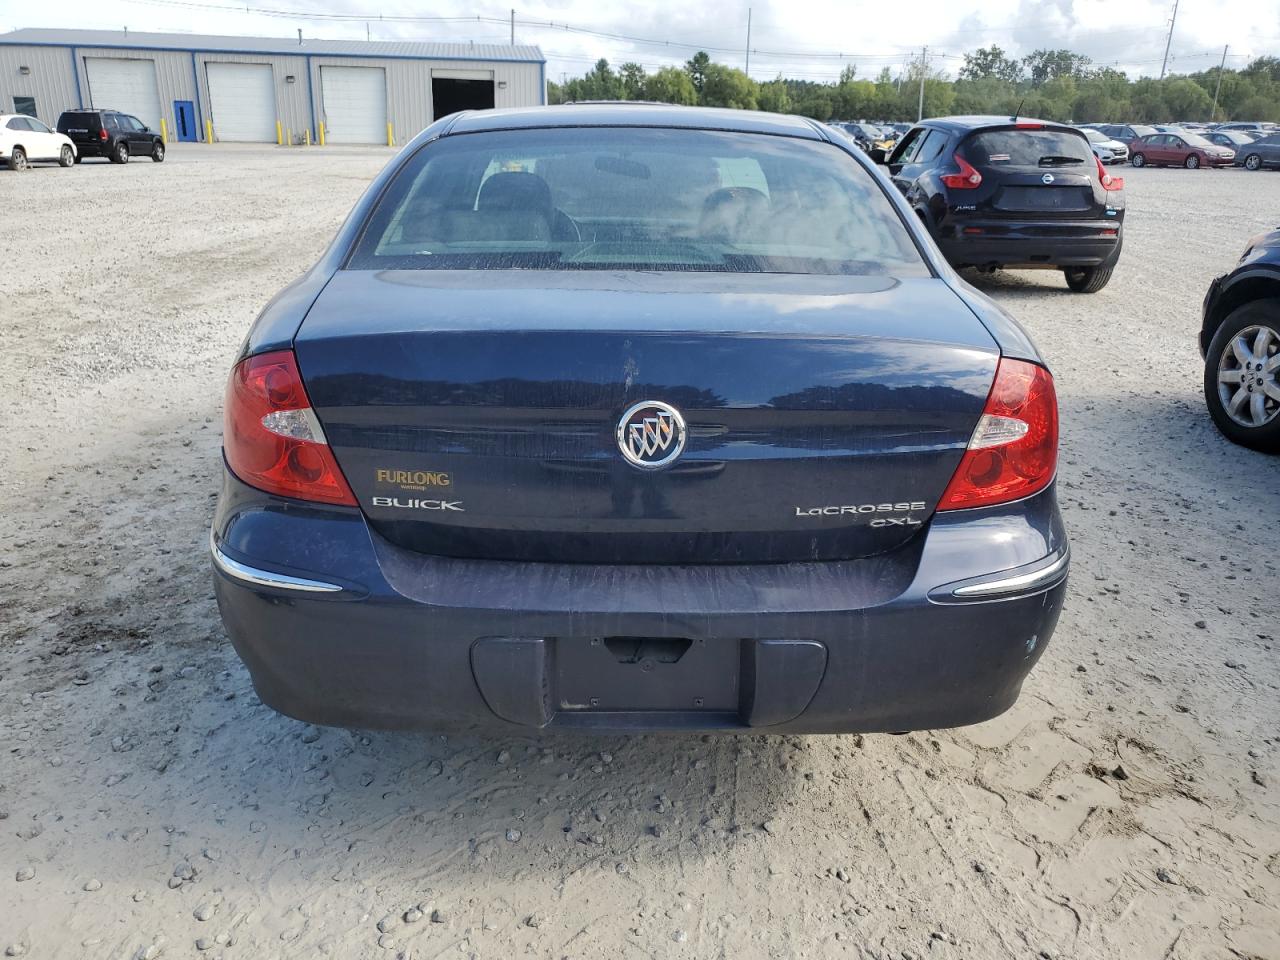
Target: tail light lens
967, 179
102, 134
271, 436
1013, 452
1108, 181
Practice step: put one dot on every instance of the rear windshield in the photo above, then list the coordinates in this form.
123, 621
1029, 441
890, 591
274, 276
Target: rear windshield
88, 121
636, 198
1027, 148
1142, 131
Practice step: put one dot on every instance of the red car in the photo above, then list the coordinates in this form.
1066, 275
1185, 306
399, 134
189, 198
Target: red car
1180, 150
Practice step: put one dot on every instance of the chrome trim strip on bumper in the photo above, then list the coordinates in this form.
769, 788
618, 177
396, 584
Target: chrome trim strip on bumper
265, 578
1022, 583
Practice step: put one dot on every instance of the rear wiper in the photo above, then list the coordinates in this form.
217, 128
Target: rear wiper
1056, 161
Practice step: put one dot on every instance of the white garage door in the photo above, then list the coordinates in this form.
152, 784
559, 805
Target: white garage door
125, 85
355, 104
242, 97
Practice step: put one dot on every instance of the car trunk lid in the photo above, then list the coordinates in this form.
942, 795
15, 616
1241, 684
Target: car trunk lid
476, 414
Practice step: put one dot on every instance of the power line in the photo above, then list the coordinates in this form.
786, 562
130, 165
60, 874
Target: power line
882, 58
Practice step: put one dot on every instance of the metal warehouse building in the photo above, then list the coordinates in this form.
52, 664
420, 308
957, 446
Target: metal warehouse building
257, 89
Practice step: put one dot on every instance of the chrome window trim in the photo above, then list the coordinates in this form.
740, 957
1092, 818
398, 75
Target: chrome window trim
265, 578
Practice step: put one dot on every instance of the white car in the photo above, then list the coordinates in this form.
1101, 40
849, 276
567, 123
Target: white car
1104, 148
25, 140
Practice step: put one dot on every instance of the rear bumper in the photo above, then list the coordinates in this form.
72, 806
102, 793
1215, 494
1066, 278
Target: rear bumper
376, 636
1031, 245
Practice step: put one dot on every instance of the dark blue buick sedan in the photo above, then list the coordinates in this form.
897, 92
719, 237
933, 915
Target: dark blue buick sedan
630, 417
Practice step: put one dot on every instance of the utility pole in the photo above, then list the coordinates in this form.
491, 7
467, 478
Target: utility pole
1169, 41
513, 26
1218, 86
748, 70
924, 70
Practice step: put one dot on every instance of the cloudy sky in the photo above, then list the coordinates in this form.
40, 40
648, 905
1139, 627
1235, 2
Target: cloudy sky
799, 38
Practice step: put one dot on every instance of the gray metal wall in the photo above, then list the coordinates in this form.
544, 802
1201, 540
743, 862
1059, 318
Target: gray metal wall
51, 80
181, 75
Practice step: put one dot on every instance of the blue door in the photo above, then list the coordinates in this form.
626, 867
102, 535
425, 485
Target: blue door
184, 117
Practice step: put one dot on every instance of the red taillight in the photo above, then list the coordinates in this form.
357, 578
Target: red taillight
1013, 452
967, 179
1108, 181
102, 134
271, 436
1028, 125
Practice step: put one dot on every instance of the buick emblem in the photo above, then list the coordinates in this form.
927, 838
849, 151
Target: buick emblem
651, 434
1047, 178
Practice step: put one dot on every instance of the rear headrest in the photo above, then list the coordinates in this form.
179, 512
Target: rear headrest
734, 213
515, 191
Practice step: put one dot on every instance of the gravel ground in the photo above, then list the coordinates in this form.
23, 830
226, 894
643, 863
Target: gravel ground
1127, 807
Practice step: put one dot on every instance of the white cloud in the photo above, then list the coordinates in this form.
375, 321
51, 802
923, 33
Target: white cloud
798, 38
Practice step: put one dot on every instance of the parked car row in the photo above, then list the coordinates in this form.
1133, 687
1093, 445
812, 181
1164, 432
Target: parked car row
1251, 146
110, 134
868, 136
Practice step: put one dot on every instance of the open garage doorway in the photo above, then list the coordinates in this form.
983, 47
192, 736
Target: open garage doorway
454, 90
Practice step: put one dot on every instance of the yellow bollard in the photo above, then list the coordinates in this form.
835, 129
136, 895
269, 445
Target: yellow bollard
208, 131
308, 136
391, 141
279, 135
289, 137
164, 131
321, 129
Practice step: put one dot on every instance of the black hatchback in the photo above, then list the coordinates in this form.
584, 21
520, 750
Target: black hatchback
1008, 192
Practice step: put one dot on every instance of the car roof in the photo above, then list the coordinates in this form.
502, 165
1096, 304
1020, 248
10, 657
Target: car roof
633, 114
968, 123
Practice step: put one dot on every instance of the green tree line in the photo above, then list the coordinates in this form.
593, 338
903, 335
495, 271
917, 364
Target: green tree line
1052, 84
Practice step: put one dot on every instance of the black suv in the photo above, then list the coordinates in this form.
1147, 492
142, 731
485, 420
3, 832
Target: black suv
1007, 192
111, 134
